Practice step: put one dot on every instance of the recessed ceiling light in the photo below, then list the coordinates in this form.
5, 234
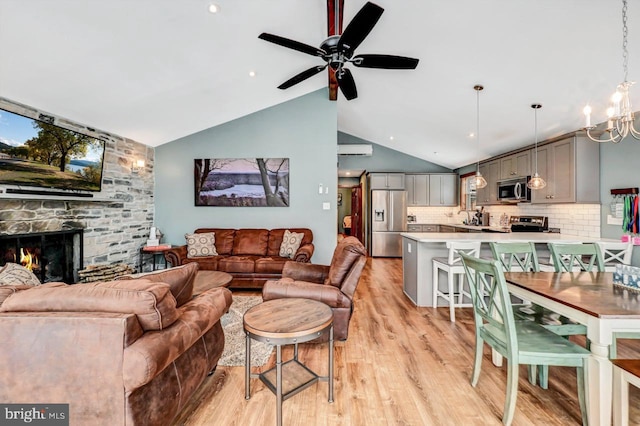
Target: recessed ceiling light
471, 134
390, 138
214, 8
252, 73
348, 173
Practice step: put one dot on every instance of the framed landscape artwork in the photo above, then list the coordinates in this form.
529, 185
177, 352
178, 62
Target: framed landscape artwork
242, 182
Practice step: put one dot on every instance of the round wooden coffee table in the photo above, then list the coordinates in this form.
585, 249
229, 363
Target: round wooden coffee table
287, 322
206, 280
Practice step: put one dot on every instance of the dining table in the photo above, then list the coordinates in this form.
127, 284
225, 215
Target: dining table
592, 299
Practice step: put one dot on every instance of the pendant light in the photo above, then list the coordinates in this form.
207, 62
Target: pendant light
536, 182
479, 180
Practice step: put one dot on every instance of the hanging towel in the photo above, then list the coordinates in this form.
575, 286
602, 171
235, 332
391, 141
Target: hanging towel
635, 214
625, 217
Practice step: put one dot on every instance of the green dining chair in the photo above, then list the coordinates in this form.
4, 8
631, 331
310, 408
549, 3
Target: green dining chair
566, 257
522, 257
520, 342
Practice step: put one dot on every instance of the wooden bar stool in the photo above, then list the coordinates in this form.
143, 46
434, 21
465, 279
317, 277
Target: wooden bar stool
625, 371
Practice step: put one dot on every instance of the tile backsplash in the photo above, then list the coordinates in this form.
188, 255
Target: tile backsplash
572, 219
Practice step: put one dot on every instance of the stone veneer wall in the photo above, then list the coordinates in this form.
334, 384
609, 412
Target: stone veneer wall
116, 225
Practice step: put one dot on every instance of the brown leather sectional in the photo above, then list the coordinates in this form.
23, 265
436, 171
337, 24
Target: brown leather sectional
251, 256
119, 353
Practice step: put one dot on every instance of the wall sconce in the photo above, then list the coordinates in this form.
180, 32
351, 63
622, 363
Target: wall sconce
136, 166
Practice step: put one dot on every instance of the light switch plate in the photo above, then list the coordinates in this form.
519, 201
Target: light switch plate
326, 206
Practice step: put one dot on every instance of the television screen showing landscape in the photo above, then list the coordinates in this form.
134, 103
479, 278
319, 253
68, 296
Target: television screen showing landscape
36, 153
242, 182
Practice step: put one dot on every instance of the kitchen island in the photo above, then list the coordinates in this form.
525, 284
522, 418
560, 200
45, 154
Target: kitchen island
419, 248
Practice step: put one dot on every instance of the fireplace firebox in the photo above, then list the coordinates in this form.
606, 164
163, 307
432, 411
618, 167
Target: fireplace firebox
51, 256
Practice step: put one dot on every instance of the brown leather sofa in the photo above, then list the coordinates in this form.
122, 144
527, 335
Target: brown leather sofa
119, 352
333, 285
251, 256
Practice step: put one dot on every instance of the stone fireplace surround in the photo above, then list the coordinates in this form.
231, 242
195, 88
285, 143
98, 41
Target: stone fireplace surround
116, 225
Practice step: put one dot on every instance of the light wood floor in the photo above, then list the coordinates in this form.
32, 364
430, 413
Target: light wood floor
401, 365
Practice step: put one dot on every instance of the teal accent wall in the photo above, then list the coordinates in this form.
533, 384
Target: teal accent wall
303, 130
618, 169
383, 159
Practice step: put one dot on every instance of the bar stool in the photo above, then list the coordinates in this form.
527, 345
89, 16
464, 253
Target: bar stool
614, 253
452, 265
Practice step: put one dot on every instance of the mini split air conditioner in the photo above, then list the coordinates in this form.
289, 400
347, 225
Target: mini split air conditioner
356, 149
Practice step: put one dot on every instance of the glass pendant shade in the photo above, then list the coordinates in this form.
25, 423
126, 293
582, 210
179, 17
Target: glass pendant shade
536, 182
480, 181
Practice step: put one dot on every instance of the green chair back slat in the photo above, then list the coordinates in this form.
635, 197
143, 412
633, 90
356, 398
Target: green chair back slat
516, 256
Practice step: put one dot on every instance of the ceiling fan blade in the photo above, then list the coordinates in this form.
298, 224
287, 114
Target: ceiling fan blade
359, 28
302, 76
385, 61
347, 84
292, 44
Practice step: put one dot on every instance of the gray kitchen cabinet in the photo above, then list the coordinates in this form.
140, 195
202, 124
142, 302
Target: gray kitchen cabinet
417, 186
386, 181
416, 227
489, 194
516, 165
413, 227
571, 168
443, 190
447, 228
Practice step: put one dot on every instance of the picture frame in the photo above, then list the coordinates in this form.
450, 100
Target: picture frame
241, 182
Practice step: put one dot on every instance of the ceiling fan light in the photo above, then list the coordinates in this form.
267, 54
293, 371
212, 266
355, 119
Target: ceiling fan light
480, 181
536, 182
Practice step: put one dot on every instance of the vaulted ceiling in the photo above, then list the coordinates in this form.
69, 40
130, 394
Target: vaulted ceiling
155, 71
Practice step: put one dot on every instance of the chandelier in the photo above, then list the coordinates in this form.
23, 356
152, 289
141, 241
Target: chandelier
620, 114
479, 181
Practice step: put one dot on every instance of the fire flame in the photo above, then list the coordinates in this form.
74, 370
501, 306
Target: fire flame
27, 259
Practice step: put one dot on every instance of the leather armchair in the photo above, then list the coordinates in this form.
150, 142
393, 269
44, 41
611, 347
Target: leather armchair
333, 285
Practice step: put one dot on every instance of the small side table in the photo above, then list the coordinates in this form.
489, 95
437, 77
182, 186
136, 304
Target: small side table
285, 322
155, 252
625, 372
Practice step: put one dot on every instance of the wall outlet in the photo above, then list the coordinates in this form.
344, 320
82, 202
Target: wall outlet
326, 206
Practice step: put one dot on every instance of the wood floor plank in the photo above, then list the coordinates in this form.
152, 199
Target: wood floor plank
402, 365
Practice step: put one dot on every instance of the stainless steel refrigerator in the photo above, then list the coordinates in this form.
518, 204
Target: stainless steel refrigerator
388, 220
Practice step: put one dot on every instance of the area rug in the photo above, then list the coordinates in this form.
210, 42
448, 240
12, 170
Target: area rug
234, 345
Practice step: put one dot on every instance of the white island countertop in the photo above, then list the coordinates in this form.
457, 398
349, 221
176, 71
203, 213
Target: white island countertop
486, 237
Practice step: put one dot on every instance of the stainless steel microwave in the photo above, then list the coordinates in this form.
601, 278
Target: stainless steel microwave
514, 190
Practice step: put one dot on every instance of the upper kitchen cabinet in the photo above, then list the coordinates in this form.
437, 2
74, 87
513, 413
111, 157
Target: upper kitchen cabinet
417, 187
516, 165
386, 181
571, 168
489, 194
443, 190
432, 189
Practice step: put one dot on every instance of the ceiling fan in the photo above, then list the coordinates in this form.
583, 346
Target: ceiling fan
337, 50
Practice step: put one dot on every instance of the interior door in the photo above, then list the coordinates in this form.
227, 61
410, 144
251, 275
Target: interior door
356, 213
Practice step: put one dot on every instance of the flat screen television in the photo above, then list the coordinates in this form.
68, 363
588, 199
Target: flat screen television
36, 153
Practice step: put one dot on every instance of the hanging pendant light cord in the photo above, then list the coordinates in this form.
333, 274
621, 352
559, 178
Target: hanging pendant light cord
535, 133
478, 89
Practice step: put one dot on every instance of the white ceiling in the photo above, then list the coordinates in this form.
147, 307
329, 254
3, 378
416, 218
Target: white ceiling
157, 70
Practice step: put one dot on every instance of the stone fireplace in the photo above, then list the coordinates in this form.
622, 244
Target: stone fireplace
114, 224
51, 256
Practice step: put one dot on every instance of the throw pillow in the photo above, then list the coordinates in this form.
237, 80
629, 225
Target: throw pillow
290, 243
14, 274
201, 245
